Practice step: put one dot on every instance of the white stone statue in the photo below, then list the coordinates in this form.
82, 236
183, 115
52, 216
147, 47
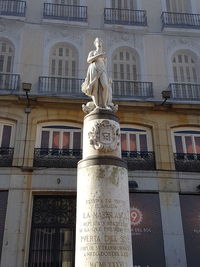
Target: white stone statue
96, 84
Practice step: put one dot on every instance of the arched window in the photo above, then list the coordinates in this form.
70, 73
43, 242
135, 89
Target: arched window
6, 56
63, 61
184, 67
179, 6
123, 4
135, 139
59, 137
186, 141
125, 65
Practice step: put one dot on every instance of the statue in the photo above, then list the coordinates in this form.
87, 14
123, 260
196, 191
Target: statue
96, 84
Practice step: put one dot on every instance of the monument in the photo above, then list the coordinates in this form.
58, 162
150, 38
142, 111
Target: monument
103, 233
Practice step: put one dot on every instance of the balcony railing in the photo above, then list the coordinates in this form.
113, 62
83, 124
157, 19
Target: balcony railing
185, 91
12, 8
139, 160
56, 158
180, 20
65, 12
9, 82
132, 89
187, 162
60, 86
125, 17
6, 156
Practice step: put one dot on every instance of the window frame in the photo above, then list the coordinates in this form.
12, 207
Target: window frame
6, 123
189, 129
140, 128
40, 128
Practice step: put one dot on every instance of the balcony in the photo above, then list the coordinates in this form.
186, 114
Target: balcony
180, 20
185, 91
9, 83
65, 12
125, 17
60, 86
139, 160
56, 158
12, 8
132, 89
187, 162
6, 156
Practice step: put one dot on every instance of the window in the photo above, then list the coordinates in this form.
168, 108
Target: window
133, 140
187, 141
5, 135
3, 208
53, 231
63, 61
60, 137
179, 6
184, 68
125, 65
123, 4
6, 56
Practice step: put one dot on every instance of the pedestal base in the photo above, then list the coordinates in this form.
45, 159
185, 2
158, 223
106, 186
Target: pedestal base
103, 237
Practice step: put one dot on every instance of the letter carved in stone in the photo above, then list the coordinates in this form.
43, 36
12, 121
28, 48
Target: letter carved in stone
104, 136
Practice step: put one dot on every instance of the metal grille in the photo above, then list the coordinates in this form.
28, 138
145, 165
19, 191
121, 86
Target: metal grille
185, 91
6, 156
12, 8
187, 162
182, 20
125, 16
139, 160
53, 231
56, 158
9, 82
65, 12
132, 89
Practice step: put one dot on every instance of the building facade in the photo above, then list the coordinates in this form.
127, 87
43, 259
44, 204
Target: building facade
153, 50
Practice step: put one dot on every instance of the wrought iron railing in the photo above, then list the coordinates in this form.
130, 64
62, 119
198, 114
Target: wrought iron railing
13, 8
60, 86
65, 12
56, 158
132, 89
139, 160
6, 156
10, 82
187, 162
185, 91
182, 20
125, 16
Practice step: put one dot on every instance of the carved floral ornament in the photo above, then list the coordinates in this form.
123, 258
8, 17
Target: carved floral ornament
105, 136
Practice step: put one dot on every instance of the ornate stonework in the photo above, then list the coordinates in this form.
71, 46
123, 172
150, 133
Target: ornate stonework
105, 136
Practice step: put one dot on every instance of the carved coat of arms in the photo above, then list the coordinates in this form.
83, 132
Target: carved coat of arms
104, 136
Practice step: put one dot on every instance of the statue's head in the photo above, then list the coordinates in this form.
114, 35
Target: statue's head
98, 42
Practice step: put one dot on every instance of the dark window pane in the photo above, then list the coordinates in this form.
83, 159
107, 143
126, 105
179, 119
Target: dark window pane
45, 139
77, 140
143, 142
6, 136
178, 144
197, 144
3, 207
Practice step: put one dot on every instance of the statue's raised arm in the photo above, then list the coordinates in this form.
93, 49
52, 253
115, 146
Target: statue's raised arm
96, 84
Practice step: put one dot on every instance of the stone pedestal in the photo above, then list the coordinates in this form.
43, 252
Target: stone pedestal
103, 234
